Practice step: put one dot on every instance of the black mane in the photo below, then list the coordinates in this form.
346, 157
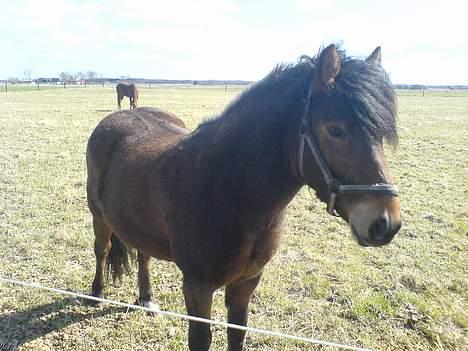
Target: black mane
364, 87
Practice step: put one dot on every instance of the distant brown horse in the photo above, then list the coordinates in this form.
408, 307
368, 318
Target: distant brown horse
213, 200
129, 90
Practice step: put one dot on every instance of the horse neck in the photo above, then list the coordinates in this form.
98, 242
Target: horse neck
249, 150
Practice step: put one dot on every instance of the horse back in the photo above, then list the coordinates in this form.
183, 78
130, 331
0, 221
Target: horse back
121, 155
122, 129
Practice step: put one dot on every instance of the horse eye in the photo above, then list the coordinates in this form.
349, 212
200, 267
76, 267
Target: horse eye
336, 132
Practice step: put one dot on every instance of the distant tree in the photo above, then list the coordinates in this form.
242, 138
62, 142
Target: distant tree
66, 77
27, 75
13, 80
91, 75
417, 87
79, 76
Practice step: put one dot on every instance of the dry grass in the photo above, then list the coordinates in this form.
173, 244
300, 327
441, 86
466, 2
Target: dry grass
410, 295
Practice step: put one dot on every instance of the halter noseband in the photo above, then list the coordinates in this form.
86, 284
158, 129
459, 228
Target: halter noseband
335, 188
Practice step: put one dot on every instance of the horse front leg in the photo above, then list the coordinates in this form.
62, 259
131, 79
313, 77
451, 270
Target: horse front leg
237, 300
198, 298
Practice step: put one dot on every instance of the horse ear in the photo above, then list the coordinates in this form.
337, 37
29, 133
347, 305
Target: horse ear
376, 56
327, 68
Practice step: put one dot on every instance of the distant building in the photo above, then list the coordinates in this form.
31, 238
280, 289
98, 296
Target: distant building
47, 80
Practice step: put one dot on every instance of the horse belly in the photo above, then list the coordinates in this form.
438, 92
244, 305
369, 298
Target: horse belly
141, 228
133, 204
152, 245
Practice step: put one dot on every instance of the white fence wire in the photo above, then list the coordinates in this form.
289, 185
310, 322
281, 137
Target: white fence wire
186, 317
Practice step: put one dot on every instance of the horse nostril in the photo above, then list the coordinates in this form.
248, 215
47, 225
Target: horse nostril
379, 228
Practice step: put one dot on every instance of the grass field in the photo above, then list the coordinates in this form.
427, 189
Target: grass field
410, 295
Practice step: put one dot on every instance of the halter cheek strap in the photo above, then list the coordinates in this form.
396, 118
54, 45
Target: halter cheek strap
335, 188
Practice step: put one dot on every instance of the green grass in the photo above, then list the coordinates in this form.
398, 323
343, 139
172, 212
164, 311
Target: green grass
410, 295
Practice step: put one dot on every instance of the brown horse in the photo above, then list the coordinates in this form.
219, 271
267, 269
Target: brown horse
213, 200
129, 90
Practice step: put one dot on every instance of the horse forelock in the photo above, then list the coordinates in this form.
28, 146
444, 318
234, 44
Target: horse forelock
364, 87
370, 97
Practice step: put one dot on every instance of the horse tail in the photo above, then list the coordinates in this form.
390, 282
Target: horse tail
120, 259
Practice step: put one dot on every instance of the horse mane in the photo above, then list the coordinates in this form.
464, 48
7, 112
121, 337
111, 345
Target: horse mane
280, 91
364, 87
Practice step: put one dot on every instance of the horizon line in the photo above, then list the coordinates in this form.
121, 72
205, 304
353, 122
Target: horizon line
137, 80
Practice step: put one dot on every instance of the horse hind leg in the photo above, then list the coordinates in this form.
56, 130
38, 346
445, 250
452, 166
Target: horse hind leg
102, 246
119, 100
144, 282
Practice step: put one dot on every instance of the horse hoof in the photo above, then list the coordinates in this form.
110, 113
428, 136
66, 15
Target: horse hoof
149, 304
92, 303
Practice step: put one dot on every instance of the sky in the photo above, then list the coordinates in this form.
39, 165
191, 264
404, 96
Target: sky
423, 42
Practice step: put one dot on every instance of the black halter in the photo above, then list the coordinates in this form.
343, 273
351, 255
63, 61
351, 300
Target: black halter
335, 188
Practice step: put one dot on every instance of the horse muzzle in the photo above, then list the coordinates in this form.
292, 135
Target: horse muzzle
374, 221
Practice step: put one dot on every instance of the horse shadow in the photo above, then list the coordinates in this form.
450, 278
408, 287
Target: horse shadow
19, 328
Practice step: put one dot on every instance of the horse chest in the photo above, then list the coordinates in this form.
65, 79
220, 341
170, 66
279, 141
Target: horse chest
256, 251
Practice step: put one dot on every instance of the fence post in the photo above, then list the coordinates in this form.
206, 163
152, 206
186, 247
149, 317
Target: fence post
225, 88
6, 87
85, 83
149, 85
37, 85
64, 84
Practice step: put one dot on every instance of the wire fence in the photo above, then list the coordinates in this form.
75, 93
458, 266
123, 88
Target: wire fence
10, 86
185, 317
